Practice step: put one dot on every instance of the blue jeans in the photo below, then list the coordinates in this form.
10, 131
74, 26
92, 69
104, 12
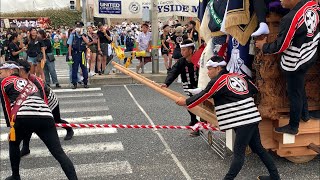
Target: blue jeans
77, 61
50, 70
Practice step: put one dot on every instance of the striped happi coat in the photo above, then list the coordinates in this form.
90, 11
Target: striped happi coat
298, 38
234, 104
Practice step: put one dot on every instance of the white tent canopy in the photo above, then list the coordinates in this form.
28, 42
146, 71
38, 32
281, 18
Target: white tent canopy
10, 6
133, 8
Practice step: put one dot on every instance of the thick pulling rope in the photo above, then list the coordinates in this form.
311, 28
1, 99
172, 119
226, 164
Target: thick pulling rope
198, 126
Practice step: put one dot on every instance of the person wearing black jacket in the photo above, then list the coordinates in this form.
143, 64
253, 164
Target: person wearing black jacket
297, 42
235, 109
33, 115
189, 75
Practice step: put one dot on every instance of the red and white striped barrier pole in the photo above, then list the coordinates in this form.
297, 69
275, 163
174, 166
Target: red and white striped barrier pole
198, 126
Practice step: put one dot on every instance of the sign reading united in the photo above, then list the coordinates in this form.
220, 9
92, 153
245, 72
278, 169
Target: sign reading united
109, 7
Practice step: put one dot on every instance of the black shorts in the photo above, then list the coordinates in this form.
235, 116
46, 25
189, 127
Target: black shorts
93, 48
176, 53
164, 51
104, 49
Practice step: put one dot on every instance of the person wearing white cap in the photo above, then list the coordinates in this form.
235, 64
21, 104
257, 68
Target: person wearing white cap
235, 109
26, 111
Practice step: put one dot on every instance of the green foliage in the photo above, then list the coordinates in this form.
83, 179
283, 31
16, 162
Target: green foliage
58, 17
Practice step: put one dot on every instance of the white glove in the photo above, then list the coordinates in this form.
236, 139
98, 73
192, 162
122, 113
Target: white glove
70, 58
195, 91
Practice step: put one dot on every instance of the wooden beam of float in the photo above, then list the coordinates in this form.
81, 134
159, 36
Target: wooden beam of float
156, 84
199, 111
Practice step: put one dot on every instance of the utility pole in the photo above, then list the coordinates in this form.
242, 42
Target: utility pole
78, 8
155, 36
84, 13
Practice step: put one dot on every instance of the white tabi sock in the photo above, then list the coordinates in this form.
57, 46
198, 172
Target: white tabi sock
263, 29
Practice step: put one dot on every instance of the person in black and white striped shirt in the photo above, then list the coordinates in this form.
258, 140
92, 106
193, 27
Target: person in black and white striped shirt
235, 109
297, 42
33, 115
53, 105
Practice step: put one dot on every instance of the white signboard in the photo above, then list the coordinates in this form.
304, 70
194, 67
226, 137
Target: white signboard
6, 23
133, 8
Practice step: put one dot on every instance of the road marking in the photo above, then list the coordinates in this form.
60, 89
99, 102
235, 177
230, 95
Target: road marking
166, 145
79, 95
87, 148
89, 119
77, 132
63, 76
84, 109
76, 90
84, 171
62, 71
79, 101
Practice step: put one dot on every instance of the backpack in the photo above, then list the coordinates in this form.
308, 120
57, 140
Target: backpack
129, 42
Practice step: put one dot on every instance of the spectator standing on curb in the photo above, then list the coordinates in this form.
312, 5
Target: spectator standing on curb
36, 53
49, 66
104, 39
129, 42
93, 41
77, 46
165, 48
144, 44
193, 33
15, 47
56, 44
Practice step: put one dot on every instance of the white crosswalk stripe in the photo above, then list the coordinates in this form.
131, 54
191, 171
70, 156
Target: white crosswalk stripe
83, 171
60, 96
76, 90
72, 149
77, 132
84, 109
92, 105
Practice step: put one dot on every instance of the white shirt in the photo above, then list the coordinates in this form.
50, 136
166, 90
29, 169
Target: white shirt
143, 40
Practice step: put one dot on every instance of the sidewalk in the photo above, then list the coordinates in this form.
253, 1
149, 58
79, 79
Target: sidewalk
113, 78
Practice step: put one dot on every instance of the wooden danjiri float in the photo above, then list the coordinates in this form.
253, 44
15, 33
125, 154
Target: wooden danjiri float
272, 102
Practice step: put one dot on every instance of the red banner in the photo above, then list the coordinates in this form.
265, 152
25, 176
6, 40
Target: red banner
41, 22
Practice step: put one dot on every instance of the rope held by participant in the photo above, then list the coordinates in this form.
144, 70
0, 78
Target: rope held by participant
198, 126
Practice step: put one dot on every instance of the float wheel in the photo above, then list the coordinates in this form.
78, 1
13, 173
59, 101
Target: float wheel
300, 159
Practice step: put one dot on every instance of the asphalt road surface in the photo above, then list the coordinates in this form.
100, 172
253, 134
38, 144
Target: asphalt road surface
134, 153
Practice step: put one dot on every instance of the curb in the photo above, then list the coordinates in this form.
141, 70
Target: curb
115, 79
120, 79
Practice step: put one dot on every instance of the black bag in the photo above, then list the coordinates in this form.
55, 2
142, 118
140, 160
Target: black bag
39, 57
51, 57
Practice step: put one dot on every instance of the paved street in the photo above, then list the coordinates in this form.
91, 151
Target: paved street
134, 153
